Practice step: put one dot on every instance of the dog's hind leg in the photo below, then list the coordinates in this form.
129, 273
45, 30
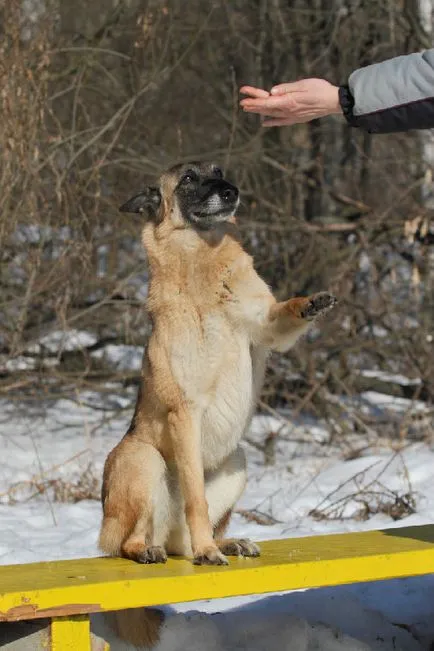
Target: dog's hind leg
136, 503
135, 525
150, 499
223, 488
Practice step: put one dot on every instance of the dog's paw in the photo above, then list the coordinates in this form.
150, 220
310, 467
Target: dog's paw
239, 547
210, 556
151, 555
317, 305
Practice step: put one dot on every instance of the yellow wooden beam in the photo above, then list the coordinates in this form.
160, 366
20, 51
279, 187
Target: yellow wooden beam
90, 585
70, 633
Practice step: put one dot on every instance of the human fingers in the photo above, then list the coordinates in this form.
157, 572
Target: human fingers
269, 103
283, 89
271, 112
278, 122
254, 92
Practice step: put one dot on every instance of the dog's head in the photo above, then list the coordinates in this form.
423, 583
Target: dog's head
191, 194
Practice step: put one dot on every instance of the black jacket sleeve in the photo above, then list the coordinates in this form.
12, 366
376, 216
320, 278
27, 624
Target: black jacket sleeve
395, 95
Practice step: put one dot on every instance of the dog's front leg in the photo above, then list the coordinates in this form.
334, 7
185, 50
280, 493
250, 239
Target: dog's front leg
288, 320
184, 425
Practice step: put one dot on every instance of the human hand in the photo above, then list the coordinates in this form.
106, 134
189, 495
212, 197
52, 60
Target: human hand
292, 103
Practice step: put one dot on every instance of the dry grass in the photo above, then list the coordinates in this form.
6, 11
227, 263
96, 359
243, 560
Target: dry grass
369, 502
85, 485
366, 495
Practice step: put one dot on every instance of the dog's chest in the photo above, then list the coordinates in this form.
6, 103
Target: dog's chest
229, 397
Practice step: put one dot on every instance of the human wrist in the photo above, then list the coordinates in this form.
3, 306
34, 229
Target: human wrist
334, 104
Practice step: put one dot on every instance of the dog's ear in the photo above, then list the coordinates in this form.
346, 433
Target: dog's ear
147, 201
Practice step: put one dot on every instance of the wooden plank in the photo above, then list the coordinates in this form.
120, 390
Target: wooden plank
90, 585
70, 633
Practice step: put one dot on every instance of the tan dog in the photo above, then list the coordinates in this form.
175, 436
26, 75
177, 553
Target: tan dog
171, 483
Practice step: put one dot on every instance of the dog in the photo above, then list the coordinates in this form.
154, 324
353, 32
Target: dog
170, 485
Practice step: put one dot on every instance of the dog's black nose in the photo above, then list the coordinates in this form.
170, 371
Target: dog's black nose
230, 194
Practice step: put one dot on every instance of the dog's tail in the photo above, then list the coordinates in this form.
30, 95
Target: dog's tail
113, 533
139, 627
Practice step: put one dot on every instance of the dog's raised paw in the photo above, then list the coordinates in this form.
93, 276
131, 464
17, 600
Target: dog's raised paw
239, 547
210, 556
317, 305
152, 555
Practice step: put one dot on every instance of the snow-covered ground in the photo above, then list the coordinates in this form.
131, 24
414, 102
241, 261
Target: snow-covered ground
315, 486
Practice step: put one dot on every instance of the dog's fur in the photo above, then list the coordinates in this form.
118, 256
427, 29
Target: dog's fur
171, 483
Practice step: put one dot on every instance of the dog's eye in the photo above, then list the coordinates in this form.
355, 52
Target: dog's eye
189, 177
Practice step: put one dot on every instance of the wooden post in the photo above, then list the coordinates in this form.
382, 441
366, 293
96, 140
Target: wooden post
70, 633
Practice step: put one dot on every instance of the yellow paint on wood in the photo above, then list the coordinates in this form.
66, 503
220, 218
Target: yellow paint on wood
70, 633
90, 585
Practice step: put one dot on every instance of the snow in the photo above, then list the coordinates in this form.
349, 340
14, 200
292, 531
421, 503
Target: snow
121, 357
23, 363
60, 340
395, 378
261, 629
393, 403
310, 489
19, 363
55, 343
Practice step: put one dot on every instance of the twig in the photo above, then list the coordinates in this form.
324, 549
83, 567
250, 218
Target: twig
35, 478
253, 515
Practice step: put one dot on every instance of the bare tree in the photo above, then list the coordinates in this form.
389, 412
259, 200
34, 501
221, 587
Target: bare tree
97, 99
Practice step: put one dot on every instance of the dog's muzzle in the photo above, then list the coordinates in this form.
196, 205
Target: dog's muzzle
218, 200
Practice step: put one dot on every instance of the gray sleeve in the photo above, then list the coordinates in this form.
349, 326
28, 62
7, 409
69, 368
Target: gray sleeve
395, 95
